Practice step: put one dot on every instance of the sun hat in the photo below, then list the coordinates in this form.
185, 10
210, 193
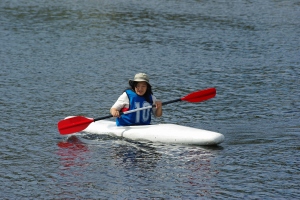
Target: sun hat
139, 77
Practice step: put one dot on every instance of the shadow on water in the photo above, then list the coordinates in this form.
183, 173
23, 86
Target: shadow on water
212, 147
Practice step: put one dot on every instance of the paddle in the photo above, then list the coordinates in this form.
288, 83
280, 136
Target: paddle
79, 123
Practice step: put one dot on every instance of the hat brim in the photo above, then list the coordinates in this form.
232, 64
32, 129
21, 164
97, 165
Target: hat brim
137, 80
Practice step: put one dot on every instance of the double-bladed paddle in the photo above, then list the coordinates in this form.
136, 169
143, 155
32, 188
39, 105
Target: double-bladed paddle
79, 123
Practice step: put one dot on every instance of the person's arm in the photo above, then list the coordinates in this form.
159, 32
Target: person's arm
122, 102
158, 112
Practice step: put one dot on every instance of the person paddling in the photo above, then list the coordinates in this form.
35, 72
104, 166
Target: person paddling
137, 96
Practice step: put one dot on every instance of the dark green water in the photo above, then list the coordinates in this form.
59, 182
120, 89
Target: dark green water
61, 58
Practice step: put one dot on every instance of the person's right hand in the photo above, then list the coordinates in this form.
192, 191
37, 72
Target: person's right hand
115, 112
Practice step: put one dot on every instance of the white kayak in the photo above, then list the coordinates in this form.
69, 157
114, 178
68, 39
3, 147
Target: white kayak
164, 133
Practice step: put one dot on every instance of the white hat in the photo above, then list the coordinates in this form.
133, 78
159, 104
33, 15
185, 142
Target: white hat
139, 78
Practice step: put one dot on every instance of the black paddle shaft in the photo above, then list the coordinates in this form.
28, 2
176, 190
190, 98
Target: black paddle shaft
168, 102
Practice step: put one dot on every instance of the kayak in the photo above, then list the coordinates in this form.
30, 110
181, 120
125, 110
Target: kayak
163, 133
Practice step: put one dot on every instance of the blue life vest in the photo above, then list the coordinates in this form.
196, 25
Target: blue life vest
142, 117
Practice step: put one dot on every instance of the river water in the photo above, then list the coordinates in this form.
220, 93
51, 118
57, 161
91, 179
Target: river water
71, 57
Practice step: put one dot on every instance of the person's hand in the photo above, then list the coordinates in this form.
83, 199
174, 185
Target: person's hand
115, 113
158, 104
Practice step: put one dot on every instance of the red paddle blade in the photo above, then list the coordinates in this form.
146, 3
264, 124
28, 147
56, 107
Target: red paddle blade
201, 95
73, 124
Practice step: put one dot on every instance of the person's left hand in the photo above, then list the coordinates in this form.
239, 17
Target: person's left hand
158, 104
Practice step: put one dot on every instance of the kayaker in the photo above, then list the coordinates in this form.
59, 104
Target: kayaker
137, 96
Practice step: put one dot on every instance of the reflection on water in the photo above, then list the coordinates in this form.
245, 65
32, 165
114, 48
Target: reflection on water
130, 154
74, 160
172, 168
127, 153
72, 152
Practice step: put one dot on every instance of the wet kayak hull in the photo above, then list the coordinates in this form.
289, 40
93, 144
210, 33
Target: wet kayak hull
163, 133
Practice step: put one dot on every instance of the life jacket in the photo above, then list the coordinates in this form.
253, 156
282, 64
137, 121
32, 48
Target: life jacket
142, 117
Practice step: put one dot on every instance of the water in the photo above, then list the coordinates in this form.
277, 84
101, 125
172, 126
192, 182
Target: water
61, 58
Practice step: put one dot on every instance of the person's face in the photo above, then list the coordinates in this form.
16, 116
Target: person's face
141, 88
